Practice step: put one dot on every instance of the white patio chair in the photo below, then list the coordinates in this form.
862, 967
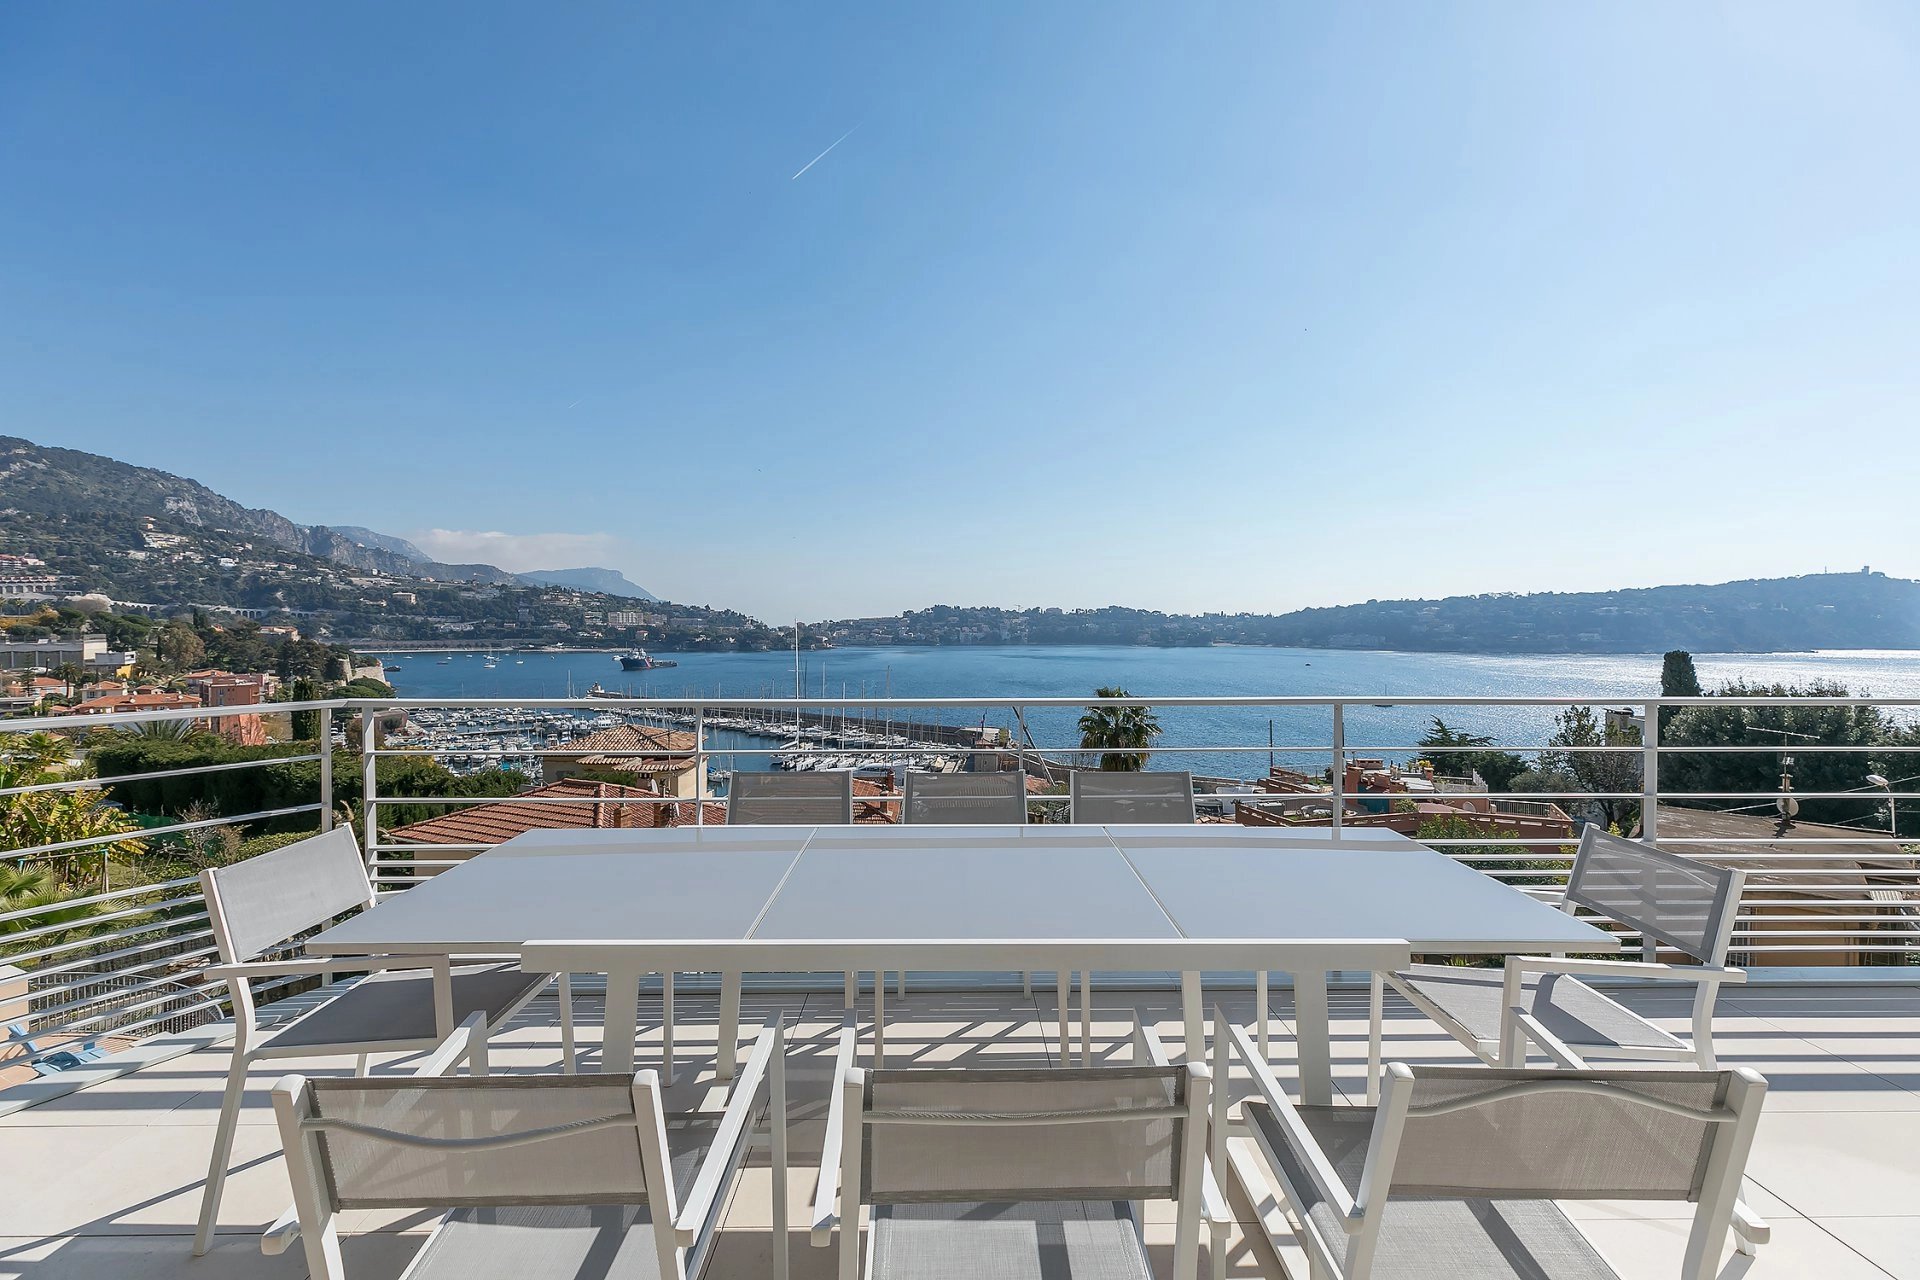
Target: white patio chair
967, 798
550, 1176
970, 1172
1117, 799
1456, 1172
823, 798
404, 1004
1671, 901
770, 798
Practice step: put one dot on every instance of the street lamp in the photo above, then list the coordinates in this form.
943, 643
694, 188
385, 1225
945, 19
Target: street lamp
1893, 827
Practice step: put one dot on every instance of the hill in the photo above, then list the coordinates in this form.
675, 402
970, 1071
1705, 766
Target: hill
608, 581
1819, 611
159, 543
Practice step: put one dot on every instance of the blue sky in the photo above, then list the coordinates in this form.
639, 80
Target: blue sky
1229, 307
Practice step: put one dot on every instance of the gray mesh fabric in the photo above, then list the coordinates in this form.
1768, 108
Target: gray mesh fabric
1425, 1239
270, 898
1090, 1240
398, 1006
597, 1165
774, 799
1569, 1008
1117, 799
1113, 1157
1561, 1145
967, 797
1674, 900
546, 1242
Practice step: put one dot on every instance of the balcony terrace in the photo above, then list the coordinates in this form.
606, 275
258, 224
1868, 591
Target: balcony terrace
105, 1160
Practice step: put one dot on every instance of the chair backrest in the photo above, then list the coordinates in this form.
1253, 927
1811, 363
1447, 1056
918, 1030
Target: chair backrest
958, 798
1588, 1135
1675, 901
1102, 1133
449, 1142
260, 903
1114, 799
475, 1142
798, 799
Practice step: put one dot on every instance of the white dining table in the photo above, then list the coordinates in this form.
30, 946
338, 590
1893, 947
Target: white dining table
1187, 900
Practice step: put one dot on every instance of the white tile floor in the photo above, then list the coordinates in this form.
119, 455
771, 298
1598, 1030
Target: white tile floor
105, 1182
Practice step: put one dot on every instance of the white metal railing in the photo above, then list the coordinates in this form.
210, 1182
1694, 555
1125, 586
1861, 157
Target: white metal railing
1848, 895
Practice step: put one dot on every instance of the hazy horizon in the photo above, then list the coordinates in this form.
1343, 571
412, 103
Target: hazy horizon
841, 313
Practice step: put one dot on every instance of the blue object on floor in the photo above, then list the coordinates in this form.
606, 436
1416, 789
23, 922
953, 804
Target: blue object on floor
51, 1062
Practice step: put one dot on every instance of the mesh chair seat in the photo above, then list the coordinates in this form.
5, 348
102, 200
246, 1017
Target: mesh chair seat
1423, 1238
1026, 1240
398, 1005
1573, 1011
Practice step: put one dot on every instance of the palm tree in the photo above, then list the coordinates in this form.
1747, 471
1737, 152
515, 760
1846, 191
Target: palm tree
1121, 733
24, 888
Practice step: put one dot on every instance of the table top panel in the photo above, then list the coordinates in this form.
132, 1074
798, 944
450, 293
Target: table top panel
495, 903
981, 883
1231, 889
967, 883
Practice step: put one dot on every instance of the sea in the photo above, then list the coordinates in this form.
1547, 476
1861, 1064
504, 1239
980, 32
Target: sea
1190, 736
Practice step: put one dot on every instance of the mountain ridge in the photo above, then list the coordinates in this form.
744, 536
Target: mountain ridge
70, 478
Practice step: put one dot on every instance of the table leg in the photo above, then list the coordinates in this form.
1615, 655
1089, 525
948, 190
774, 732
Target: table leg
729, 1049
1262, 1014
1063, 991
1311, 1036
1195, 1032
1086, 1017
623, 998
666, 1029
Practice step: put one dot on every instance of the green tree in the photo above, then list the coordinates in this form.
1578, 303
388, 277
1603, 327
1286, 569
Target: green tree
1790, 729
32, 888
1459, 754
1121, 734
179, 647
56, 817
306, 724
1596, 772
1678, 679
1512, 863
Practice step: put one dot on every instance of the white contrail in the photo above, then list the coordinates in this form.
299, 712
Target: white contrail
823, 155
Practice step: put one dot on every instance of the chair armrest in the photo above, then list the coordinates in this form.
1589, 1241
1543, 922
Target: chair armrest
1694, 973
826, 1190
281, 1233
1306, 1149
319, 966
1554, 1047
748, 1087
467, 1039
1147, 1048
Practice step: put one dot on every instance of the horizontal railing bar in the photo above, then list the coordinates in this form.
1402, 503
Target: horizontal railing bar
148, 833
94, 978
109, 996
95, 939
100, 782
109, 896
1349, 700
106, 720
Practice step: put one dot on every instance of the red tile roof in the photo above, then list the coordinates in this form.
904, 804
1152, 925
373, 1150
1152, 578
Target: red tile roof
630, 738
504, 819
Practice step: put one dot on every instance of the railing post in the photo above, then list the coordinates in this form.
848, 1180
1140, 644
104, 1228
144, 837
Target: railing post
1339, 774
326, 769
1650, 773
700, 766
369, 788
